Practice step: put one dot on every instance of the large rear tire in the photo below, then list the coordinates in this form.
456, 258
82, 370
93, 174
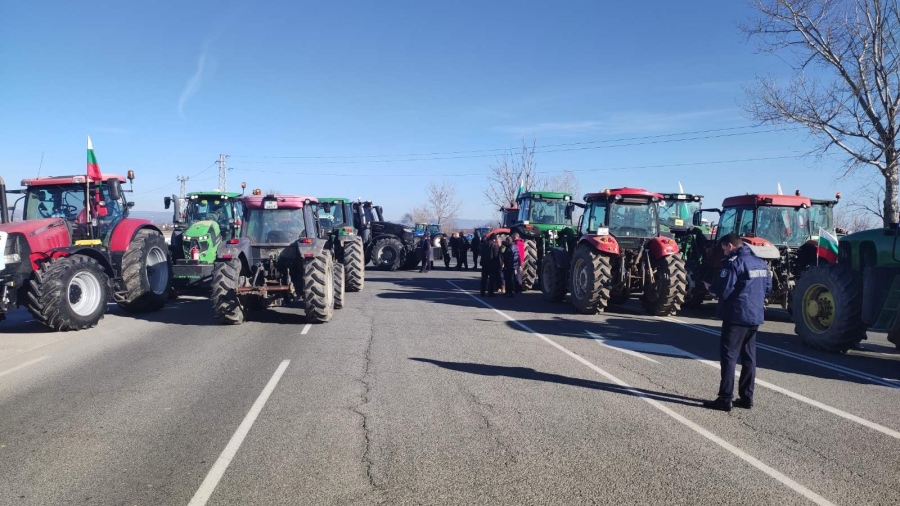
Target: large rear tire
146, 273
68, 293
354, 266
666, 295
318, 288
591, 277
226, 302
553, 280
529, 265
339, 286
388, 254
828, 308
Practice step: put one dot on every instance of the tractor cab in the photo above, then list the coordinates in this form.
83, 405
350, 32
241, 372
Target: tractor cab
426, 230
278, 221
782, 221
821, 215
545, 208
680, 211
335, 214
509, 216
625, 213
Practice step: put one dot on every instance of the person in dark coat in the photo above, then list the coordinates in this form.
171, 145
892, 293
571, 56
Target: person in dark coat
463, 261
741, 288
476, 249
454, 246
490, 265
510, 265
445, 250
425, 248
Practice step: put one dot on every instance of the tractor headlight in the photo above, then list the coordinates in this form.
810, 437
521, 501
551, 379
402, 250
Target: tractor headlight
10, 253
203, 237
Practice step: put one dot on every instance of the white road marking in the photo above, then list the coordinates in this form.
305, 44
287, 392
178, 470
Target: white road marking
626, 347
24, 365
774, 473
305, 329
218, 469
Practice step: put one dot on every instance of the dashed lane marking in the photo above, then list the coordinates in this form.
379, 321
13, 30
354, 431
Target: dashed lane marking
24, 365
305, 329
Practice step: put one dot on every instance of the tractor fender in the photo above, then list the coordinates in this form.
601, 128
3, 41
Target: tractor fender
311, 249
662, 247
561, 258
103, 259
602, 243
496, 231
762, 248
125, 231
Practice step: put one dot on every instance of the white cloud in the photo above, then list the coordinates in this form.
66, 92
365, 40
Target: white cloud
193, 84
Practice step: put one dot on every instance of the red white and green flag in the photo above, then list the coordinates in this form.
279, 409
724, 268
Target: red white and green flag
93, 168
828, 246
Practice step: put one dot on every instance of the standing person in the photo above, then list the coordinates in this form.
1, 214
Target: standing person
476, 249
490, 267
510, 265
445, 251
454, 246
741, 287
425, 248
463, 261
520, 245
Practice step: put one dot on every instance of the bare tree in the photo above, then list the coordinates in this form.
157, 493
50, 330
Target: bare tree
868, 200
564, 182
444, 203
512, 170
852, 220
418, 214
845, 55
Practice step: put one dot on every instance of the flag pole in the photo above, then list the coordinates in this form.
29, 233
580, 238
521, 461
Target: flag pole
87, 192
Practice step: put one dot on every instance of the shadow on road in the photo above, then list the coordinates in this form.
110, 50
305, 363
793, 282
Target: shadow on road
531, 374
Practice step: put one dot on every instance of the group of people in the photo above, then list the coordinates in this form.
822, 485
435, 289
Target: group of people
457, 246
501, 265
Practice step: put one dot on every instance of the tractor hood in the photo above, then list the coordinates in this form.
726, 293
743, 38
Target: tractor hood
201, 228
762, 248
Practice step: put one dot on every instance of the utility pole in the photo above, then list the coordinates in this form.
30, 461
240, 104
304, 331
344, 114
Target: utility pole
222, 170
182, 180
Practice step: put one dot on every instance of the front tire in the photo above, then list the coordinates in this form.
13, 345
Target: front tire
529, 265
828, 308
226, 278
666, 295
69, 293
338, 286
553, 280
318, 288
590, 279
387, 254
146, 273
354, 266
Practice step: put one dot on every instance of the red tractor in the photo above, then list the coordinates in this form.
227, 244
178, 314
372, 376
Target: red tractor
508, 218
619, 251
76, 246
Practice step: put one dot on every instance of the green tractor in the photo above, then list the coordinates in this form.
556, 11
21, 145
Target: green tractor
336, 219
544, 222
680, 217
209, 219
834, 303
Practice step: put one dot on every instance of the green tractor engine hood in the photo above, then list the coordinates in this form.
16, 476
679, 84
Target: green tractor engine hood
205, 236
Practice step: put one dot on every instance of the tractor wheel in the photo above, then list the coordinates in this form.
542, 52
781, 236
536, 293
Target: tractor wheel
591, 275
828, 308
387, 254
68, 293
146, 273
318, 288
553, 280
529, 265
354, 266
226, 278
411, 260
338, 286
666, 295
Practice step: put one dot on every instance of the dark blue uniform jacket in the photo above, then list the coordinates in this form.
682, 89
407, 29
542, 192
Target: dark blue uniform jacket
742, 287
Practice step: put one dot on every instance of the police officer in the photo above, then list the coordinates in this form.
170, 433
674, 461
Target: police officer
741, 288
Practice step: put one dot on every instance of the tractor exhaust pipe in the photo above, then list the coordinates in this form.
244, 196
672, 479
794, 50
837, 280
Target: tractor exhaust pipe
4, 209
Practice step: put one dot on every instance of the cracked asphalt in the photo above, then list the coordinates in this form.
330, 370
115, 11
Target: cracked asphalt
419, 393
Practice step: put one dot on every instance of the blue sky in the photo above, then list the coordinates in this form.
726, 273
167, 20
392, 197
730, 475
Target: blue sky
164, 87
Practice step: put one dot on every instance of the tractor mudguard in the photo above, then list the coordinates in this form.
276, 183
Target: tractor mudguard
310, 249
762, 248
561, 258
125, 231
602, 243
662, 246
104, 260
496, 231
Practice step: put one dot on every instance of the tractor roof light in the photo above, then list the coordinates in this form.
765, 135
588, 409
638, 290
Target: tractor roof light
130, 175
797, 193
696, 198
257, 191
837, 195
567, 198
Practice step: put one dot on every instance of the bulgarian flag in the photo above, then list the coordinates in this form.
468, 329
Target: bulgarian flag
93, 168
828, 246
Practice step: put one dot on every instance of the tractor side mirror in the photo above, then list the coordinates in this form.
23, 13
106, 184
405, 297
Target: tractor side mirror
698, 218
114, 190
167, 201
130, 204
570, 211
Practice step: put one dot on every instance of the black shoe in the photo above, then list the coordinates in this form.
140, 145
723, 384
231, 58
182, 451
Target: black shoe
719, 404
743, 403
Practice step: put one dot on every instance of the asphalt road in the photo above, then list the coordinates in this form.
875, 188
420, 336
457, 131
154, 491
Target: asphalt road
421, 392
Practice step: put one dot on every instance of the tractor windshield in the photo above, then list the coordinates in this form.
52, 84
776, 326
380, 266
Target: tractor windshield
274, 226
209, 207
331, 215
821, 216
545, 211
433, 229
783, 226
678, 213
633, 219
67, 202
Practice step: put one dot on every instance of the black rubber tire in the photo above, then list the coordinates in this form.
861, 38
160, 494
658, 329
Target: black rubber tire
146, 287
58, 290
318, 288
665, 297
226, 303
354, 266
411, 259
846, 289
590, 276
392, 249
529, 265
553, 280
339, 286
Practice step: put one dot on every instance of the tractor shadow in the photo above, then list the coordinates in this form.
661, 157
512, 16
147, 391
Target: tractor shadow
631, 328
527, 373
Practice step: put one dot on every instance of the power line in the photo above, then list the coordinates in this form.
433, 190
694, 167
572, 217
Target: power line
169, 185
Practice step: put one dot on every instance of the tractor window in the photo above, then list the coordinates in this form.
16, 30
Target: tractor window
745, 227
726, 222
274, 226
821, 216
333, 217
594, 218
627, 219
524, 211
678, 213
59, 201
210, 207
433, 229
788, 226
548, 211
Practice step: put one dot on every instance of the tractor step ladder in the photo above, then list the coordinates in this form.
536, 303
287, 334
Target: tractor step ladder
890, 309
